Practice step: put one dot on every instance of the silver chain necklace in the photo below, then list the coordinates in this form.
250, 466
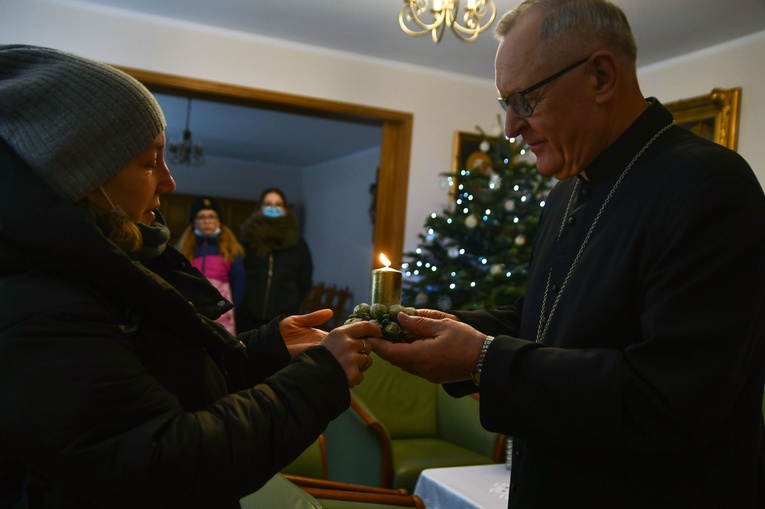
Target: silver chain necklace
544, 324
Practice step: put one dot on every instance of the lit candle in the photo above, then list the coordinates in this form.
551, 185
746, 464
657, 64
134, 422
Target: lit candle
386, 284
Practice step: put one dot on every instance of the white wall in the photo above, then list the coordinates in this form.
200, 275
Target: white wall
337, 233
441, 103
227, 175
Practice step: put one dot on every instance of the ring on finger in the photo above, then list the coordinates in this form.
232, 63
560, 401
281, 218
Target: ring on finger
363, 346
366, 362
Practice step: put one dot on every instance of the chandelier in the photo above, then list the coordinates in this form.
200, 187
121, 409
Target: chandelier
186, 151
445, 14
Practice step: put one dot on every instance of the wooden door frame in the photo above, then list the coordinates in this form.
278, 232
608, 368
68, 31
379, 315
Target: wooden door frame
395, 148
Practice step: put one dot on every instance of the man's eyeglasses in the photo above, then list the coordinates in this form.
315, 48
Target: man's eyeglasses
517, 100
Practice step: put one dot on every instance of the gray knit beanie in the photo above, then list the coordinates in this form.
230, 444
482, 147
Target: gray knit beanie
74, 121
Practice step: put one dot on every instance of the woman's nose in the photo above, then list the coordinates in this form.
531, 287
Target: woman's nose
166, 182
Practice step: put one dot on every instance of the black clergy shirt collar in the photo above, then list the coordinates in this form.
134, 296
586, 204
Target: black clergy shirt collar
618, 155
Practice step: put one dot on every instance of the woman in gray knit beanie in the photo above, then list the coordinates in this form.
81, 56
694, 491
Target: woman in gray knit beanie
118, 388
75, 122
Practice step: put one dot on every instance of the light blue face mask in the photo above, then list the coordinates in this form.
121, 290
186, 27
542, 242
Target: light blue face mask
205, 236
273, 211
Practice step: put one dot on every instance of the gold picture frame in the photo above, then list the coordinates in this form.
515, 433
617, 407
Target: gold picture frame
466, 151
713, 116
467, 155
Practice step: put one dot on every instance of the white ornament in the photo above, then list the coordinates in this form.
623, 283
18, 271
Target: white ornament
520, 240
510, 205
527, 156
497, 269
453, 252
496, 181
484, 146
471, 221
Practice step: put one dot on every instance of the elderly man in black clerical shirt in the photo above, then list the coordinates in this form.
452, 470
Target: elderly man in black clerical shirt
631, 373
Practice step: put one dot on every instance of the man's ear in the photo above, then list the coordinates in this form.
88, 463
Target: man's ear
607, 75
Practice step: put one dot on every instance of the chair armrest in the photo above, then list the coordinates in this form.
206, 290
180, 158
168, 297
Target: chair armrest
358, 448
334, 490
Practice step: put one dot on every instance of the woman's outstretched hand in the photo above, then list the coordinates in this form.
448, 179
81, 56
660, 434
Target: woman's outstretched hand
299, 333
346, 342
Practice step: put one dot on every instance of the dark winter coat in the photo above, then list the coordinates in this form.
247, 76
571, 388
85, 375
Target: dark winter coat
647, 390
116, 391
278, 268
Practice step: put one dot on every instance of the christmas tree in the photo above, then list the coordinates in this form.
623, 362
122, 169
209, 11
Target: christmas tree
475, 255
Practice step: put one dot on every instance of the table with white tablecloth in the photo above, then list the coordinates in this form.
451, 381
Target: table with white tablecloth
474, 487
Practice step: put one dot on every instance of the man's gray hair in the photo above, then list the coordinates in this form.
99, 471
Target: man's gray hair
576, 19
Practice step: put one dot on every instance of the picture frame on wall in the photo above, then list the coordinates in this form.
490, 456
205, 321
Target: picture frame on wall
467, 154
713, 116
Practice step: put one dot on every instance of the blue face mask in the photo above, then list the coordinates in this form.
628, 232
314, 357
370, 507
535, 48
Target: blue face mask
273, 211
205, 236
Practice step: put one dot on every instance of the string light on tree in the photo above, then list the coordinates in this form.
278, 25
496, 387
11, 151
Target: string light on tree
474, 253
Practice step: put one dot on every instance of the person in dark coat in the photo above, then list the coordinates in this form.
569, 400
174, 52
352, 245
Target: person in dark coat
631, 374
278, 263
117, 387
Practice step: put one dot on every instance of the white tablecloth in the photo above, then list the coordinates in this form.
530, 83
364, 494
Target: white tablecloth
477, 487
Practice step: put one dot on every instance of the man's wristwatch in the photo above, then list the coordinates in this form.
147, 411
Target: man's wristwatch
476, 374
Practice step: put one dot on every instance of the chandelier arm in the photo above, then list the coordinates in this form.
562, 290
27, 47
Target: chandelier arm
473, 25
446, 16
463, 37
412, 12
438, 32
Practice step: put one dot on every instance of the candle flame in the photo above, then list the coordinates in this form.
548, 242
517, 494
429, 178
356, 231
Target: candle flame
384, 260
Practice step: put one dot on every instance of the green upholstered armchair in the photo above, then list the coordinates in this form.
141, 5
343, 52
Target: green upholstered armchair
311, 463
279, 493
399, 425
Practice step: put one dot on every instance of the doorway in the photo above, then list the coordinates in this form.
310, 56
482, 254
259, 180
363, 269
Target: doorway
395, 146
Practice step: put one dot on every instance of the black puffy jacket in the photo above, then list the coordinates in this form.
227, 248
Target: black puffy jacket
116, 391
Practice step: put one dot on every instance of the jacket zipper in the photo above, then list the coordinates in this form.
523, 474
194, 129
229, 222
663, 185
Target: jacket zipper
268, 283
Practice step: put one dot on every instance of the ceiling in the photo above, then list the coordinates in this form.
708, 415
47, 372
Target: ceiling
267, 136
663, 28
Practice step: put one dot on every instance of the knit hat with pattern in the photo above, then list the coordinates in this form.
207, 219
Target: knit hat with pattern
74, 121
204, 203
